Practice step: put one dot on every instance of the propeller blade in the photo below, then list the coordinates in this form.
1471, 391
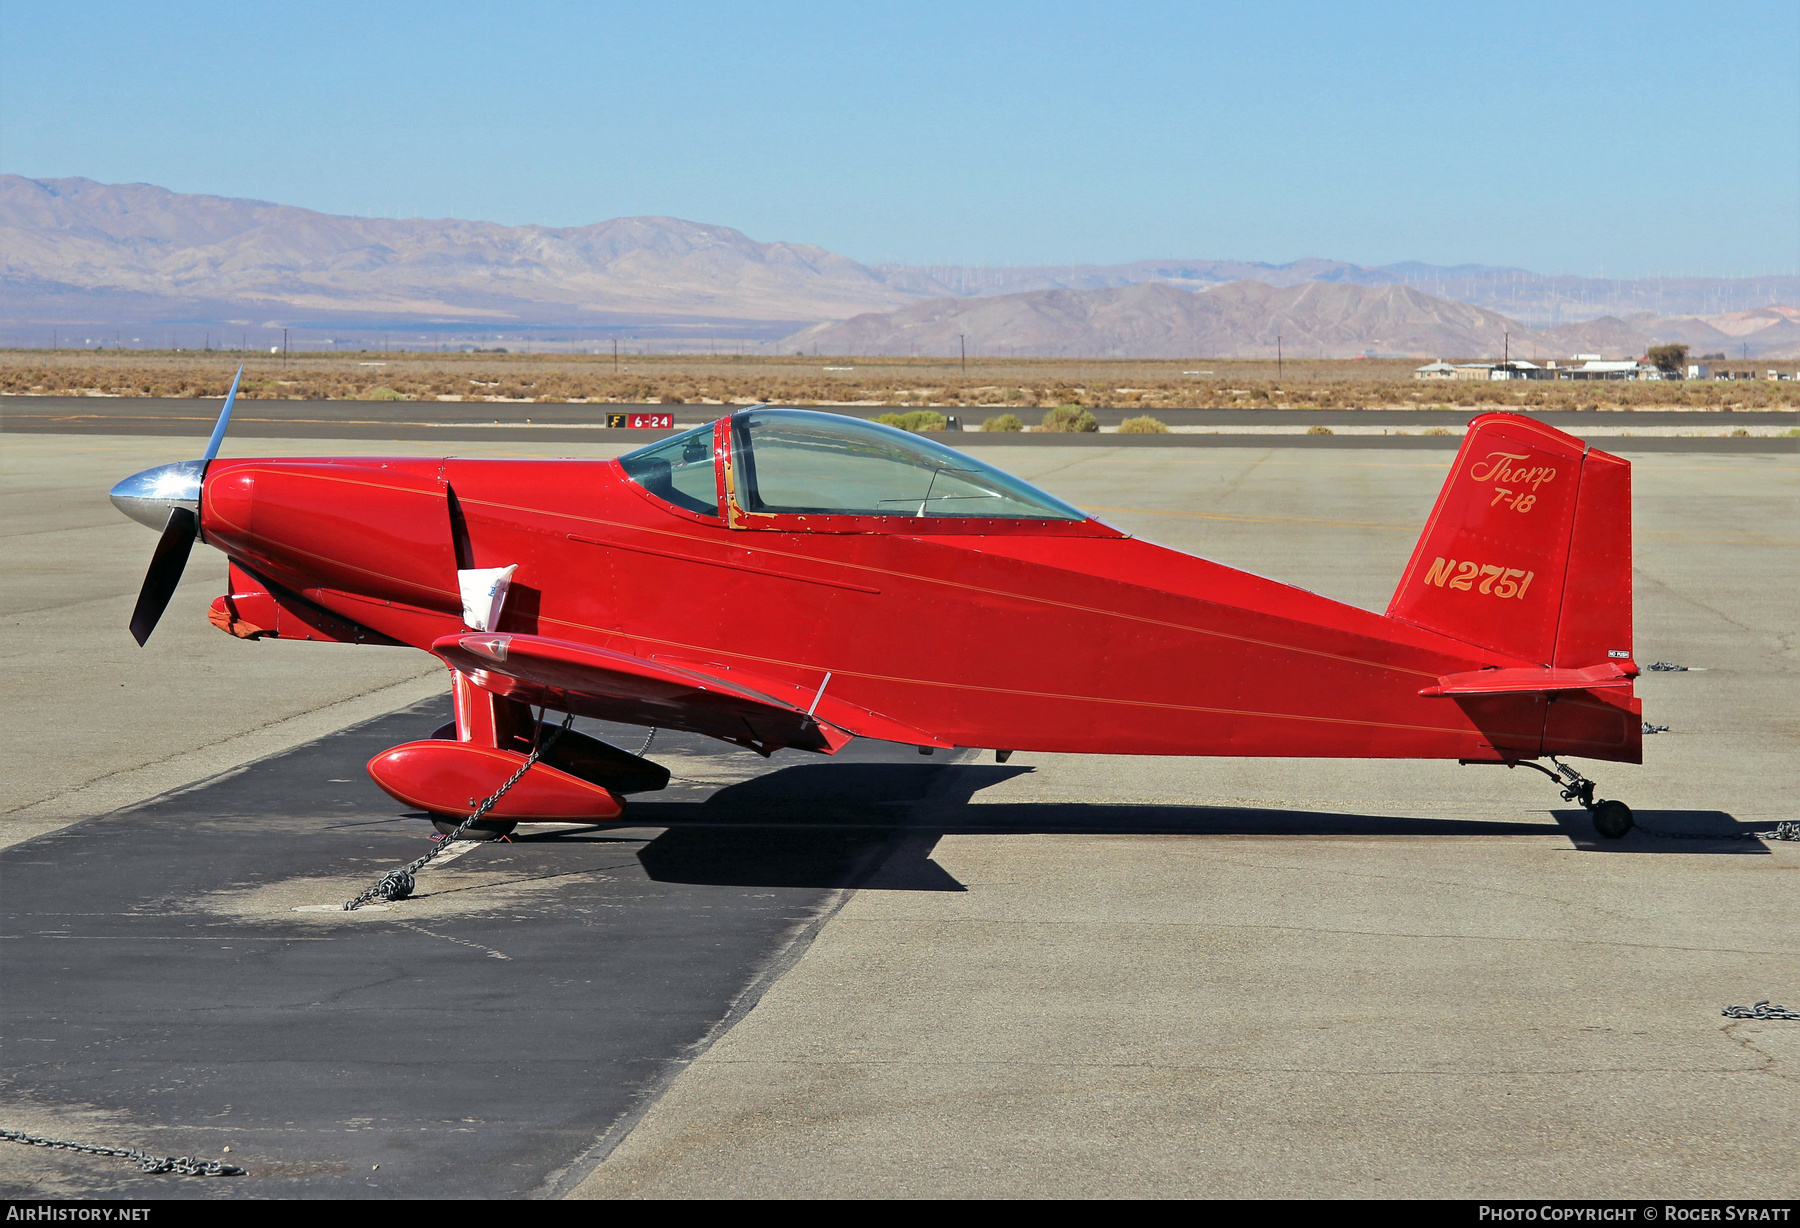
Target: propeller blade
218, 435
166, 566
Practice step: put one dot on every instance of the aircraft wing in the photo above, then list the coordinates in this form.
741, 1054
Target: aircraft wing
760, 713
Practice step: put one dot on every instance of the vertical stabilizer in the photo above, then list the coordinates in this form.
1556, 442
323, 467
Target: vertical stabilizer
1528, 550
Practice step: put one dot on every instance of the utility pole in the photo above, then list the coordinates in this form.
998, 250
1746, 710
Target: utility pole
284, 350
1278, 356
615, 355
1506, 352
963, 342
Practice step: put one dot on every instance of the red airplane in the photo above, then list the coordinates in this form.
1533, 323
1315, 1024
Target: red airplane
785, 578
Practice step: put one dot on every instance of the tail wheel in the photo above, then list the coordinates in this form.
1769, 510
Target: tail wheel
1612, 819
486, 829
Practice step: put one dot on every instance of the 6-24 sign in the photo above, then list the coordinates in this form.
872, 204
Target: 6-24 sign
654, 422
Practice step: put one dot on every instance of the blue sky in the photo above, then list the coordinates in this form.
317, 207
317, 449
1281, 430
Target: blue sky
1624, 140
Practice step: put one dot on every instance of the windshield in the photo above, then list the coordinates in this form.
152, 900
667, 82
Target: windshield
679, 470
796, 461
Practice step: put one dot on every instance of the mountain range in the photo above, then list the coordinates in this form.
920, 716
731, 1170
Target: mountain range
1250, 319
81, 257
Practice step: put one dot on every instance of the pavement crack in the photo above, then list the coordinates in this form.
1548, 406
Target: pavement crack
1770, 1062
1668, 588
1080, 460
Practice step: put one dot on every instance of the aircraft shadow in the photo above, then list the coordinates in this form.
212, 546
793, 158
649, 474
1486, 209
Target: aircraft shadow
875, 825
818, 825
1669, 831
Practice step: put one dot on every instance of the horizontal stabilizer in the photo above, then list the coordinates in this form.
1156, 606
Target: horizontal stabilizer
1532, 679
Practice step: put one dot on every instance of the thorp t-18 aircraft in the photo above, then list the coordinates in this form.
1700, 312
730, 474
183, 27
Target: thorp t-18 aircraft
785, 578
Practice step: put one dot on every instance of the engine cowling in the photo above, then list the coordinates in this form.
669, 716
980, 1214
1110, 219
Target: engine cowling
377, 528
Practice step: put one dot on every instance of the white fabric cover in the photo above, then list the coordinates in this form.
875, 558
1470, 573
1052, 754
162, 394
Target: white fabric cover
483, 593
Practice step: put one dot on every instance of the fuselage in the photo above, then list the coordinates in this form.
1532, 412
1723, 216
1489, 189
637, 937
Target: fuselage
1074, 638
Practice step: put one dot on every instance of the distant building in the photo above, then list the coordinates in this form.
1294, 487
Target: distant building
1435, 370
1601, 368
1699, 370
1474, 370
1518, 368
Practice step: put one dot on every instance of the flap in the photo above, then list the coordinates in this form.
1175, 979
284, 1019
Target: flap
763, 714
1533, 678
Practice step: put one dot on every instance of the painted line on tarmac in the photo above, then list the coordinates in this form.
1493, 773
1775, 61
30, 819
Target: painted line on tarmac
1341, 524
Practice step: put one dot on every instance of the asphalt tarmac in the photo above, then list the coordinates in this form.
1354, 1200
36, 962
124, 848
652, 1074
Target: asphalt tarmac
1062, 976
178, 978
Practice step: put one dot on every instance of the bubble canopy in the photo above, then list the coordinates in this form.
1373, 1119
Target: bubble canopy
798, 462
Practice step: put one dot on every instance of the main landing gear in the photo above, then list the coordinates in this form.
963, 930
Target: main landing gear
481, 829
1612, 819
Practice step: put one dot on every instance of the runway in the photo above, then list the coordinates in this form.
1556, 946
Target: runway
545, 424
891, 975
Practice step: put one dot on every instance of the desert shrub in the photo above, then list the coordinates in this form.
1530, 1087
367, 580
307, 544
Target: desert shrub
1070, 419
1143, 424
1003, 422
1318, 430
915, 420
1439, 430
383, 393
